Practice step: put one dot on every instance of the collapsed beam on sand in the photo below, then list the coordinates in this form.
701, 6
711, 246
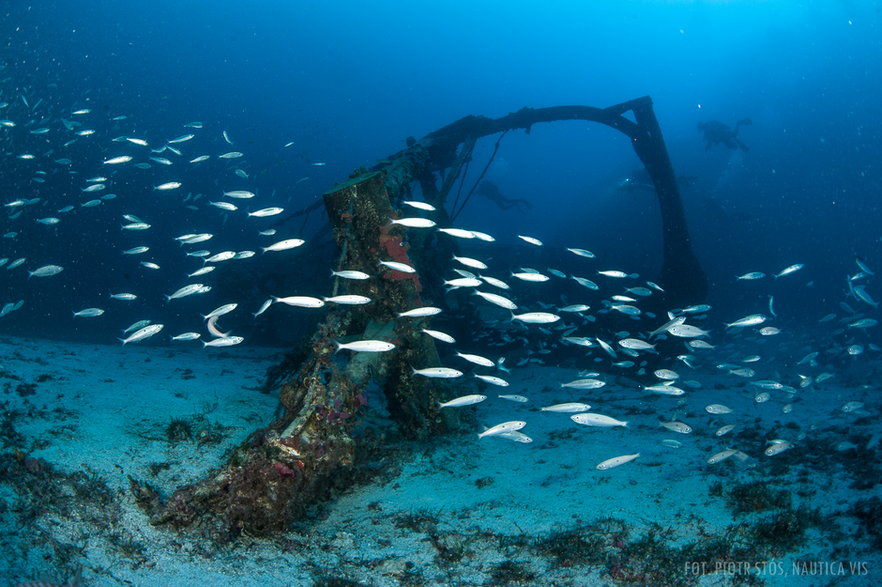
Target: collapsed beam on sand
282, 469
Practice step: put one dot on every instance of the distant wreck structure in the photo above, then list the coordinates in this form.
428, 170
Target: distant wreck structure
295, 461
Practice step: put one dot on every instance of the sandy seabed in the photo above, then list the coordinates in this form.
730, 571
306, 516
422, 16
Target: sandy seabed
79, 420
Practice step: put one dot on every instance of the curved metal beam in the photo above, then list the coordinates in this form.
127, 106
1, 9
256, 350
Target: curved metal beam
682, 277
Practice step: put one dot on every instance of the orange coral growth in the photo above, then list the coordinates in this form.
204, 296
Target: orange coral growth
396, 249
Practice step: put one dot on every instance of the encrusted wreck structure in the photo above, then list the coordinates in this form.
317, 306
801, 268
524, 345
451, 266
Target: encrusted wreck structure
293, 462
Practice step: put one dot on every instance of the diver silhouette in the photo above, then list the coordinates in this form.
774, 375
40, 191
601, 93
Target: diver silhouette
491, 191
717, 133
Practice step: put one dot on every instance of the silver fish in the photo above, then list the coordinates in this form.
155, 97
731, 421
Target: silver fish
185, 291
300, 301
437, 372
169, 185
264, 212
687, 331
565, 408
721, 456
143, 333
636, 344
222, 256
136, 226
532, 240
420, 312
503, 428
136, 326
751, 320
494, 282
466, 400
223, 341
469, 262
457, 232
438, 335
221, 310
778, 446
584, 384
464, 282
498, 381
498, 300
536, 317
419, 205
181, 139
584, 282
239, 194
263, 307
598, 420
675, 426
788, 270
476, 359
664, 389
350, 274
717, 409
676, 321
752, 275
531, 277
413, 222
365, 346
582, 253
349, 299
575, 308
44, 271
284, 245
515, 436
616, 461
202, 271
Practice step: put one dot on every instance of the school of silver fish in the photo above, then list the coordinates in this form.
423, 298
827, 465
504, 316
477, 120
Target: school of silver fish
539, 326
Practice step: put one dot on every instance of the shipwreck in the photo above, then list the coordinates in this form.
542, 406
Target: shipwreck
293, 462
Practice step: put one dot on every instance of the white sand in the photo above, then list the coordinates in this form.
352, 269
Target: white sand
116, 402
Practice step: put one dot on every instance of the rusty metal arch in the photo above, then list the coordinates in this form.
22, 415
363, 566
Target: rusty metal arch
682, 277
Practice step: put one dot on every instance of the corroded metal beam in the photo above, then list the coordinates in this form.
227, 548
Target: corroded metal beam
291, 464
682, 277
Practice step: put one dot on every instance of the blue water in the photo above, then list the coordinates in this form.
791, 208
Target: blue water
348, 82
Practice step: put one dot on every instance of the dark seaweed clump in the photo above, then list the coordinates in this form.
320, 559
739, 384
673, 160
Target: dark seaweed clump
869, 515
757, 496
179, 430
582, 544
37, 493
656, 558
26, 389
196, 428
418, 521
511, 573
783, 531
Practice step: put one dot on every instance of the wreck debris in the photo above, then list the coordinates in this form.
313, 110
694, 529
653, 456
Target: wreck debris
281, 469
